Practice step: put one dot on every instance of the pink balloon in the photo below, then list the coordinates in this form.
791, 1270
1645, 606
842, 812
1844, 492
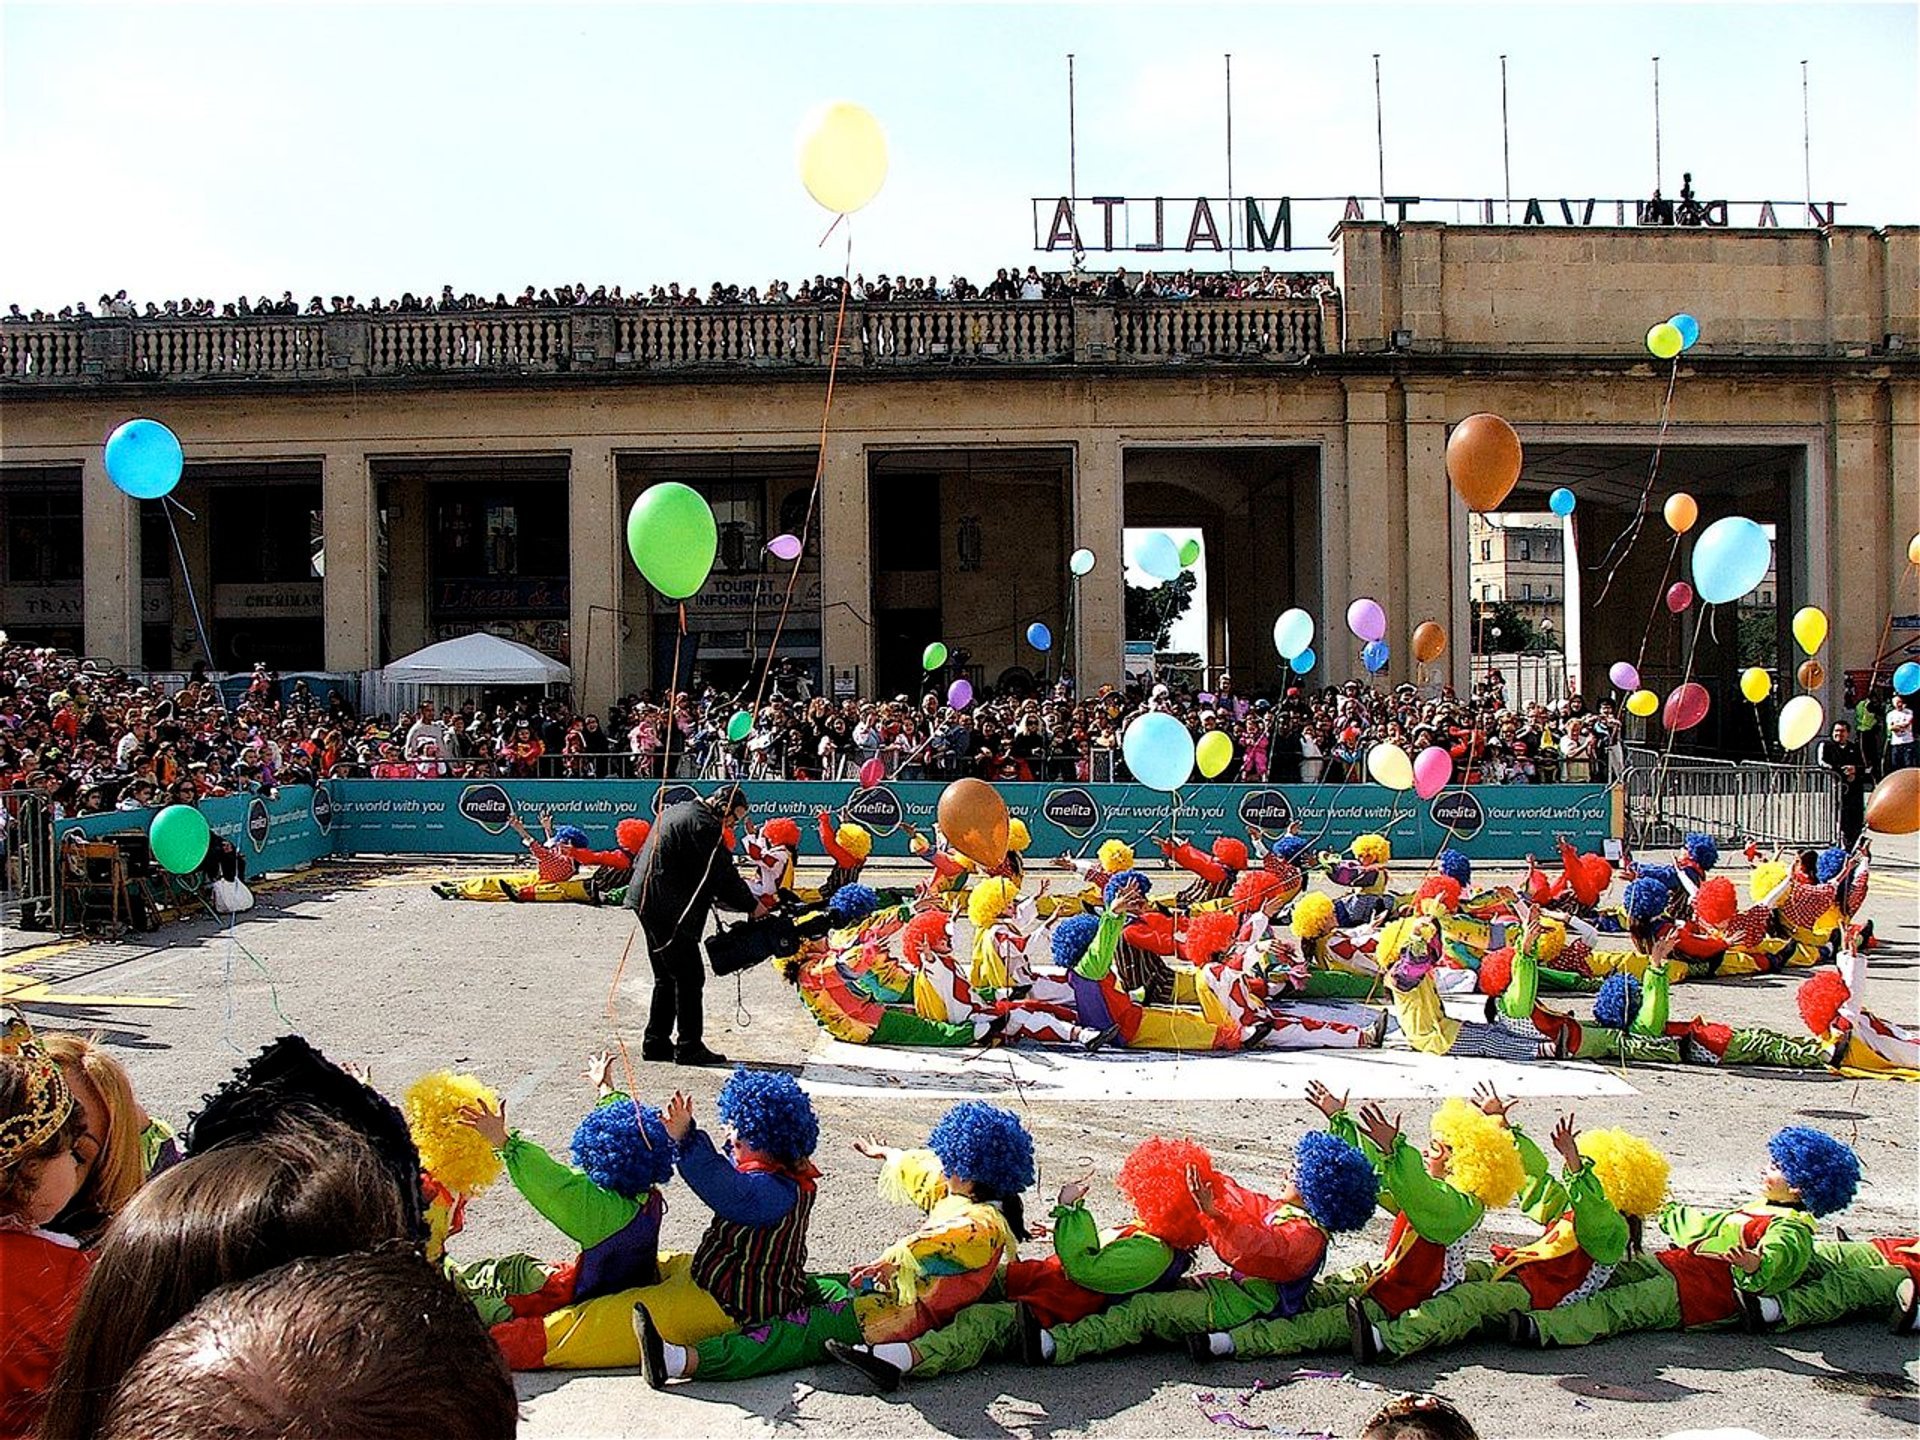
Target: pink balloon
1686, 707
1679, 596
1366, 619
1624, 676
784, 547
960, 694
873, 772
1432, 770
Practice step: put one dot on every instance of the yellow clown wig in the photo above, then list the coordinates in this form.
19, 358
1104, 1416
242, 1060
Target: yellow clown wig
1765, 879
1485, 1163
990, 900
1018, 836
1372, 850
1397, 937
1631, 1172
855, 840
452, 1153
1312, 916
1115, 856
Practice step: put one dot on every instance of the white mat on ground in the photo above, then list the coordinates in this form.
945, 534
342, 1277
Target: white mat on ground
1050, 1073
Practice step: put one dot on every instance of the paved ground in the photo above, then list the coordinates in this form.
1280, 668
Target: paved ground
363, 959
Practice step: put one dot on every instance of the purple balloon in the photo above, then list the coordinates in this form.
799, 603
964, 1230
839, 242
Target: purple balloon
1366, 619
1624, 676
960, 694
784, 547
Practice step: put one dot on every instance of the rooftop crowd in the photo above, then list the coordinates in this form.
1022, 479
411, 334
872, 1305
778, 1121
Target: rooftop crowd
1010, 283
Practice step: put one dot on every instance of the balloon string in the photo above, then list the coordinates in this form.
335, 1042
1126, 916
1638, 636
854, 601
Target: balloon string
233, 943
1616, 556
1659, 599
1673, 736
193, 601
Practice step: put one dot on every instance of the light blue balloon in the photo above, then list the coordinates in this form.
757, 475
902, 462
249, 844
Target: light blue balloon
1158, 751
1688, 327
1906, 679
1731, 559
1374, 655
1158, 556
1561, 502
1039, 637
144, 459
1304, 661
1292, 632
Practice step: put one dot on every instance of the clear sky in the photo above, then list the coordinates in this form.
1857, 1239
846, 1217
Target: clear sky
181, 149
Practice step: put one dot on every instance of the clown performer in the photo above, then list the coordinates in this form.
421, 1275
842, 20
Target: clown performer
947, 886
847, 845
1088, 1269
854, 1002
1761, 1248
1702, 1042
1363, 870
1857, 1040
1592, 1215
557, 857
1512, 978
1579, 887
1339, 962
1244, 987
1085, 948
944, 993
751, 1262
1410, 949
455, 1163
968, 1182
1274, 1246
1112, 857
1214, 870
1438, 1199
631, 835
771, 852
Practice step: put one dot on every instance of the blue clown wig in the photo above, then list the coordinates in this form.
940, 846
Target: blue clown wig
1618, 1001
1071, 937
1290, 848
986, 1146
851, 904
621, 1155
1701, 849
1121, 881
1647, 899
1828, 863
769, 1112
1667, 875
1337, 1182
1455, 865
1824, 1171
571, 835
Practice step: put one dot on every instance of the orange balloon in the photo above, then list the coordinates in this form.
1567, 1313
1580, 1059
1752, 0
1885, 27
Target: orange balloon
973, 817
1483, 460
1429, 642
1913, 549
1812, 675
1681, 511
1894, 807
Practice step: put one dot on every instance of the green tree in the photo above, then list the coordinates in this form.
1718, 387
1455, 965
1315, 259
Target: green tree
1517, 634
1152, 610
1759, 638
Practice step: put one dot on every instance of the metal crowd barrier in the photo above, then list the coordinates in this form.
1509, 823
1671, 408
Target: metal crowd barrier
1775, 805
29, 874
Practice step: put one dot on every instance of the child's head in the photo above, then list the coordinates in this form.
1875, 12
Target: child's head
856, 840
1230, 852
1154, 1180
991, 899
1373, 850
1071, 937
782, 832
1313, 916
112, 1119
374, 1343
929, 931
1810, 1168
1632, 1173
624, 1147
986, 1152
42, 1140
1419, 1417
850, 904
1475, 1153
1115, 856
1018, 836
769, 1114
1335, 1183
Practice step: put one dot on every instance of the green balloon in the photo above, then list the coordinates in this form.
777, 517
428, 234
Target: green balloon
179, 838
933, 657
672, 538
739, 724
1189, 552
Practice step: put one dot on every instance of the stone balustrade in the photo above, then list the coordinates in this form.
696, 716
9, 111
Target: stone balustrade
697, 338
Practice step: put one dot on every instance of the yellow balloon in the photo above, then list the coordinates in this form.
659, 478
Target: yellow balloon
1801, 718
1665, 341
842, 156
1913, 549
1214, 753
1642, 703
1810, 628
1390, 766
1681, 511
1756, 684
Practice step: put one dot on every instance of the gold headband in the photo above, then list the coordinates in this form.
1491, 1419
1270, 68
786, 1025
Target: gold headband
48, 1100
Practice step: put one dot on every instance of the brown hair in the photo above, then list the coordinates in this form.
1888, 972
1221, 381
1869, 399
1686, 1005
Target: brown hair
20, 1173
120, 1168
1419, 1417
373, 1345
309, 1187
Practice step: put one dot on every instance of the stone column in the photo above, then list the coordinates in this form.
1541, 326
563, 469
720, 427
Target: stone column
1099, 525
351, 594
596, 541
846, 563
110, 565
1377, 532
407, 568
1862, 543
1436, 542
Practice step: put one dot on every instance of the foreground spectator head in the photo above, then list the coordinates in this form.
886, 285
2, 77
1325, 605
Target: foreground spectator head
373, 1345
1419, 1417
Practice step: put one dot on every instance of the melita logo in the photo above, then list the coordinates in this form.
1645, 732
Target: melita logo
1266, 810
673, 795
1074, 811
1459, 812
259, 824
487, 806
322, 808
877, 808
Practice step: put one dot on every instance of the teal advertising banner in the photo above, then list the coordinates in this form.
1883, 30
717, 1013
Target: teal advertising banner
1494, 822
292, 829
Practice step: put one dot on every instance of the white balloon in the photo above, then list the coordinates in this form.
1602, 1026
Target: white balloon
1801, 718
1292, 633
1158, 555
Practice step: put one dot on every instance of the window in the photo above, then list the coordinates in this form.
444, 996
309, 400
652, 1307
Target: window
1486, 549
43, 536
1546, 549
263, 534
1549, 590
1526, 592
1526, 548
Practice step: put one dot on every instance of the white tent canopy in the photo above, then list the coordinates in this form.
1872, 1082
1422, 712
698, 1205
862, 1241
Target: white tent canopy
477, 659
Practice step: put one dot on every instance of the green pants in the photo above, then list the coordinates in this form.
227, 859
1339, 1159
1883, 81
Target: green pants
487, 1283
978, 1331
1340, 985
903, 1027
1846, 1279
1754, 1046
1453, 1315
793, 1340
1216, 1302
1640, 1296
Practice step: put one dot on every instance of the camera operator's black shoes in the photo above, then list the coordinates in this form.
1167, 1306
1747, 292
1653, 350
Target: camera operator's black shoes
699, 1055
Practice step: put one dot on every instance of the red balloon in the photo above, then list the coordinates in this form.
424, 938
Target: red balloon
1686, 707
1679, 596
873, 772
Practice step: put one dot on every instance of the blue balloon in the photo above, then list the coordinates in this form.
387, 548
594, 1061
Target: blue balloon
1688, 327
1561, 501
1158, 750
1731, 559
1906, 679
1158, 556
1304, 661
1374, 655
1039, 636
144, 459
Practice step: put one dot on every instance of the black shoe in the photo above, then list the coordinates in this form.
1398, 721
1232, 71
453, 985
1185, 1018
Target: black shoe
1376, 1033
1028, 1326
1524, 1330
1837, 1053
996, 1027
1753, 1319
1366, 1349
508, 890
1255, 1034
653, 1351
883, 1377
699, 1055
1907, 1298
1105, 1038
1840, 1234
658, 1051
1200, 1348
